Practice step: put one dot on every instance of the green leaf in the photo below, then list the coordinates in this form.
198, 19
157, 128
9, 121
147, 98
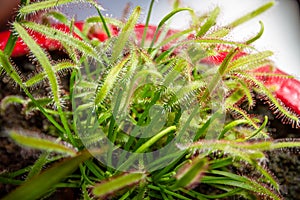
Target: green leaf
246, 183
259, 130
38, 186
251, 15
42, 144
123, 37
10, 71
164, 20
10, 45
65, 38
284, 112
58, 16
12, 99
211, 21
40, 54
34, 7
109, 81
249, 59
154, 139
38, 165
147, 23
258, 35
38, 6
191, 173
43, 59
116, 183
230, 126
61, 66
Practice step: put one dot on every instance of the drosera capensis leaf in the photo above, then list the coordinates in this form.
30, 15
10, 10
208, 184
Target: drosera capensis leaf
53, 79
249, 59
248, 184
259, 130
8, 100
284, 113
61, 66
124, 35
258, 35
38, 165
116, 183
38, 186
163, 21
109, 82
11, 71
210, 22
191, 173
43, 5
41, 144
154, 139
68, 39
34, 7
251, 15
102, 20
147, 23
40, 54
230, 126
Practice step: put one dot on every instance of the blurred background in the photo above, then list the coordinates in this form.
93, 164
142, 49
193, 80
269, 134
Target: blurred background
282, 22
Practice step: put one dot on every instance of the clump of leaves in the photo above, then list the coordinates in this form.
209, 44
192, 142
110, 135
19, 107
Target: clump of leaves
147, 107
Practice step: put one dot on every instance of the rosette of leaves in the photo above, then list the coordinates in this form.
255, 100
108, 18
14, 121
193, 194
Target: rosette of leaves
128, 86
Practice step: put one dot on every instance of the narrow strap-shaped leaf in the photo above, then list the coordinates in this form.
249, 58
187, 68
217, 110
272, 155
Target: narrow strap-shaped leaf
34, 7
154, 139
42, 5
258, 35
58, 16
249, 59
39, 185
38, 165
257, 131
7, 66
10, 45
42, 144
164, 20
61, 66
117, 183
243, 113
9, 69
246, 183
109, 81
270, 178
191, 173
251, 15
293, 117
230, 126
43, 59
58, 35
12, 99
123, 37
49, 70
147, 23
103, 21
219, 75
211, 21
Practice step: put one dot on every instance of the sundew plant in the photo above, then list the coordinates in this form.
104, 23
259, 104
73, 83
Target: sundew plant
148, 112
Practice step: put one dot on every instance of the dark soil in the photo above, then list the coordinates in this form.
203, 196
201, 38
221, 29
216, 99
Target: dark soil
285, 165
